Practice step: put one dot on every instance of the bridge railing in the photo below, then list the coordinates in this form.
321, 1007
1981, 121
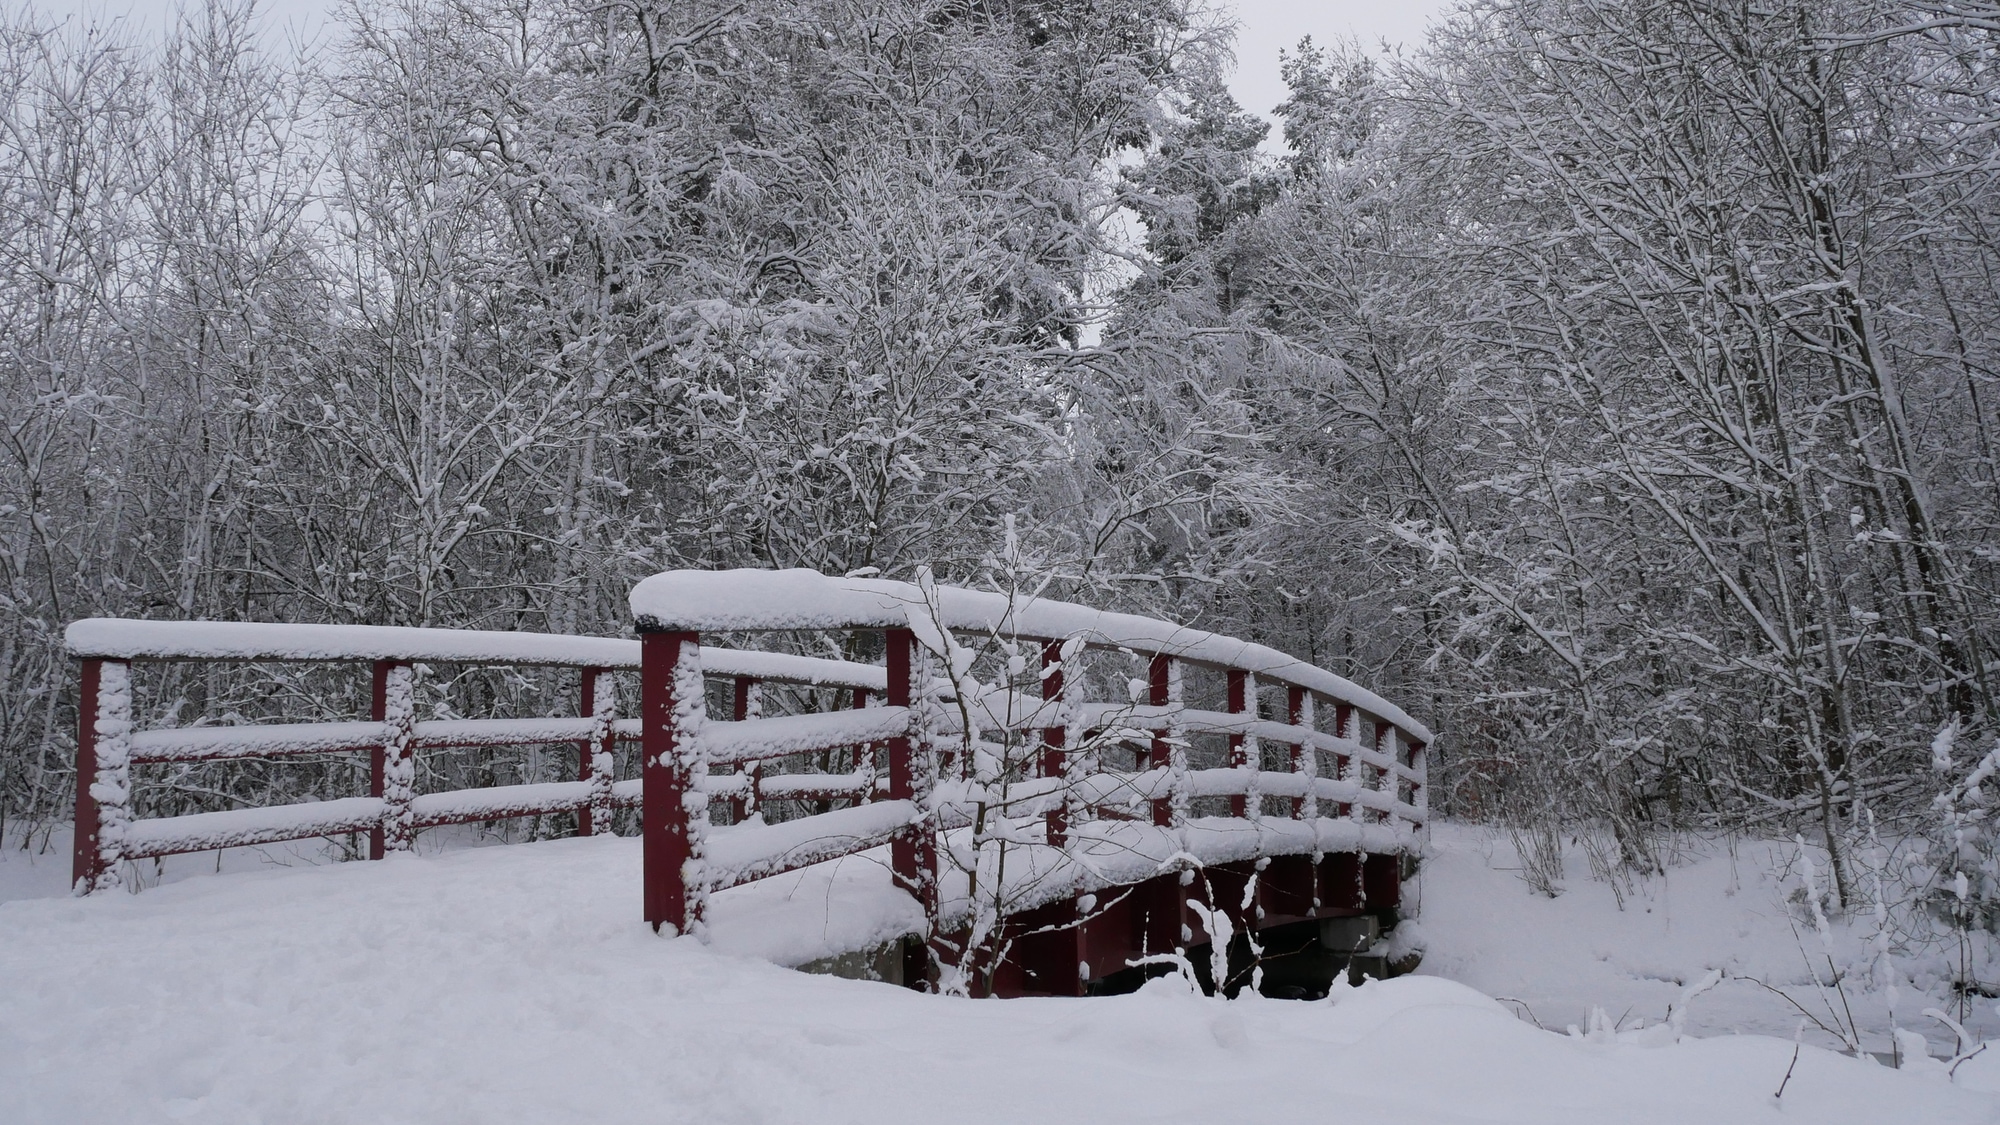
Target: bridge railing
109, 745
1357, 788
1293, 761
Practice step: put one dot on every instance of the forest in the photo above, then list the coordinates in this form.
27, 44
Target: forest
1612, 382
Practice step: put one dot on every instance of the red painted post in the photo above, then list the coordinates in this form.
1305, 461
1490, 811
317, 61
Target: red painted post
1241, 702
378, 706
83, 867
668, 846
745, 704
912, 853
1054, 738
604, 712
864, 753
1419, 796
103, 775
1299, 713
391, 768
1068, 970
1344, 727
1159, 676
1385, 744
587, 820
857, 700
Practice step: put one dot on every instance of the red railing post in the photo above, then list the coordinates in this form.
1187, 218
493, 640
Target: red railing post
1421, 767
392, 770
913, 852
1347, 726
103, 775
857, 700
674, 810
746, 703
1384, 780
1419, 794
1169, 750
84, 868
1243, 747
1054, 740
864, 753
1305, 756
596, 755
1068, 971
586, 750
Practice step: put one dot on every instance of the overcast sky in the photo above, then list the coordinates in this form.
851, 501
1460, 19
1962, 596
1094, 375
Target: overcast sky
1267, 25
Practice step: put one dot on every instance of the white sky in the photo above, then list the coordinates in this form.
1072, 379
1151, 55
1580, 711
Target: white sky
1267, 26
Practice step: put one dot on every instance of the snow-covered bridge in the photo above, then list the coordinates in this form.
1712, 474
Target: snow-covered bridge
1023, 796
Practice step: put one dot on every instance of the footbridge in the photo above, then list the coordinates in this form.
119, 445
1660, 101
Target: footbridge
1058, 800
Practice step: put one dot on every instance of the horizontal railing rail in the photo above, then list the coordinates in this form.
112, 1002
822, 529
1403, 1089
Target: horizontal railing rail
107, 833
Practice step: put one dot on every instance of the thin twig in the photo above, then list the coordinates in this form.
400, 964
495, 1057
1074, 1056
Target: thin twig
1794, 1003
1788, 1073
1524, 1005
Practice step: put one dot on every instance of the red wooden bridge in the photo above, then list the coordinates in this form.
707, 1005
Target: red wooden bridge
1073, 799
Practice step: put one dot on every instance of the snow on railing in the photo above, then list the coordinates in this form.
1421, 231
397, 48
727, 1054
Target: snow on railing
108, 747
712, 601
1357, 787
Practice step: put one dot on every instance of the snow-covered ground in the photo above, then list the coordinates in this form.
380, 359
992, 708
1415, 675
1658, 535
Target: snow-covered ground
1721, 905
516, 984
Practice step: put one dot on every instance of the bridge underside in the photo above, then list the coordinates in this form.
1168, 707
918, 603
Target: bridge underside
1303, 923
1279, 931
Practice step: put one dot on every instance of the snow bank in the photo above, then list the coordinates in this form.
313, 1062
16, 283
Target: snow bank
517, 985
1718, 907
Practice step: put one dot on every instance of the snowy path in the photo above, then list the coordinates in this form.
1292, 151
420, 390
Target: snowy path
511, 984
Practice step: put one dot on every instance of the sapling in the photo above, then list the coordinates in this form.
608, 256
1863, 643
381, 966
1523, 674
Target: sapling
1798, 1040
997, 746
1221, 930
1839, 1022
1249, 909
1183, 968
1844, 1019
1964, 885
1215, 922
